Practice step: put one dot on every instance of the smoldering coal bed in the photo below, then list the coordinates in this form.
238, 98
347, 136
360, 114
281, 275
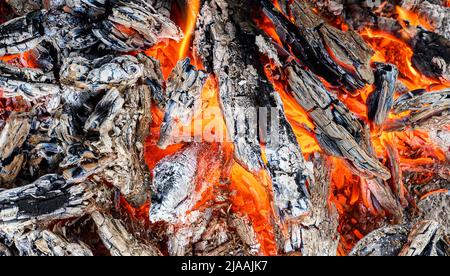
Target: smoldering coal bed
223, 127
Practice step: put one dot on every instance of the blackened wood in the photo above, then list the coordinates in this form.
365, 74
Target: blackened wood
386, 241
135, 25
49, 198
338, 132
426, 239
342, 58
428, 110
380, 102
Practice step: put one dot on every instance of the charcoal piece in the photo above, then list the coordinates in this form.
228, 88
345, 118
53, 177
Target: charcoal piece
428, 110
173, 185
227, 50
51, 197
426, 239
337, 130
317, 233
135, 25
102, 73
380, 102
342, 58
5, 251
383, 197
21, 34
47, 243
385, 241
183, 90
22, 7
118, 240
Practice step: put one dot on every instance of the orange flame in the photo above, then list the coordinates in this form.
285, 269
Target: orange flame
193, 7
412, 18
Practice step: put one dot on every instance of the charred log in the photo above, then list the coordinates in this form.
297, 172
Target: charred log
380, 102
425, 239
184, 88
325, 50
428, 110
386, 241
118, 240
135, 25
46, 243
48, 198
338, 132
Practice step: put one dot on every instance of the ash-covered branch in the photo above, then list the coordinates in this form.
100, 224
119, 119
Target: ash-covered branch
183, 90
338, 132
47, 243
427, 110
135, 25
118, 240
51, 197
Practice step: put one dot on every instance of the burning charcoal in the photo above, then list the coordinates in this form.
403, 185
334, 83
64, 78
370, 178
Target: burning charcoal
317, 232
396, 181
103, 73
46, 243
135, 25
386, 241
12, 137
184, 88
30, 84
339, 57
431, 55
21, 34
436, 15
67, 33
102, 119
425, 240
380, 102
429, 110
383, 198
223, 48
286, 164
153, 78
338, 131
51, 197
118, 240
173, 186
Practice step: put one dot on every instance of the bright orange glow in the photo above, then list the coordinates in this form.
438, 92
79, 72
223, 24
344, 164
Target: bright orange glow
390, 49
413, 18
193, 7
24, 60
251, 198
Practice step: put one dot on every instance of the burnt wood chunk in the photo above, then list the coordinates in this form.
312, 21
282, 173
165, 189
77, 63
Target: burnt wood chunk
317, 233
174, 184
227, 50
51, 197
429, 110
380, 102
135, 25
426, 239
21, 34
183, 90
31, 84
338, 132
342, 58
385, 241
47, 243
118, 240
